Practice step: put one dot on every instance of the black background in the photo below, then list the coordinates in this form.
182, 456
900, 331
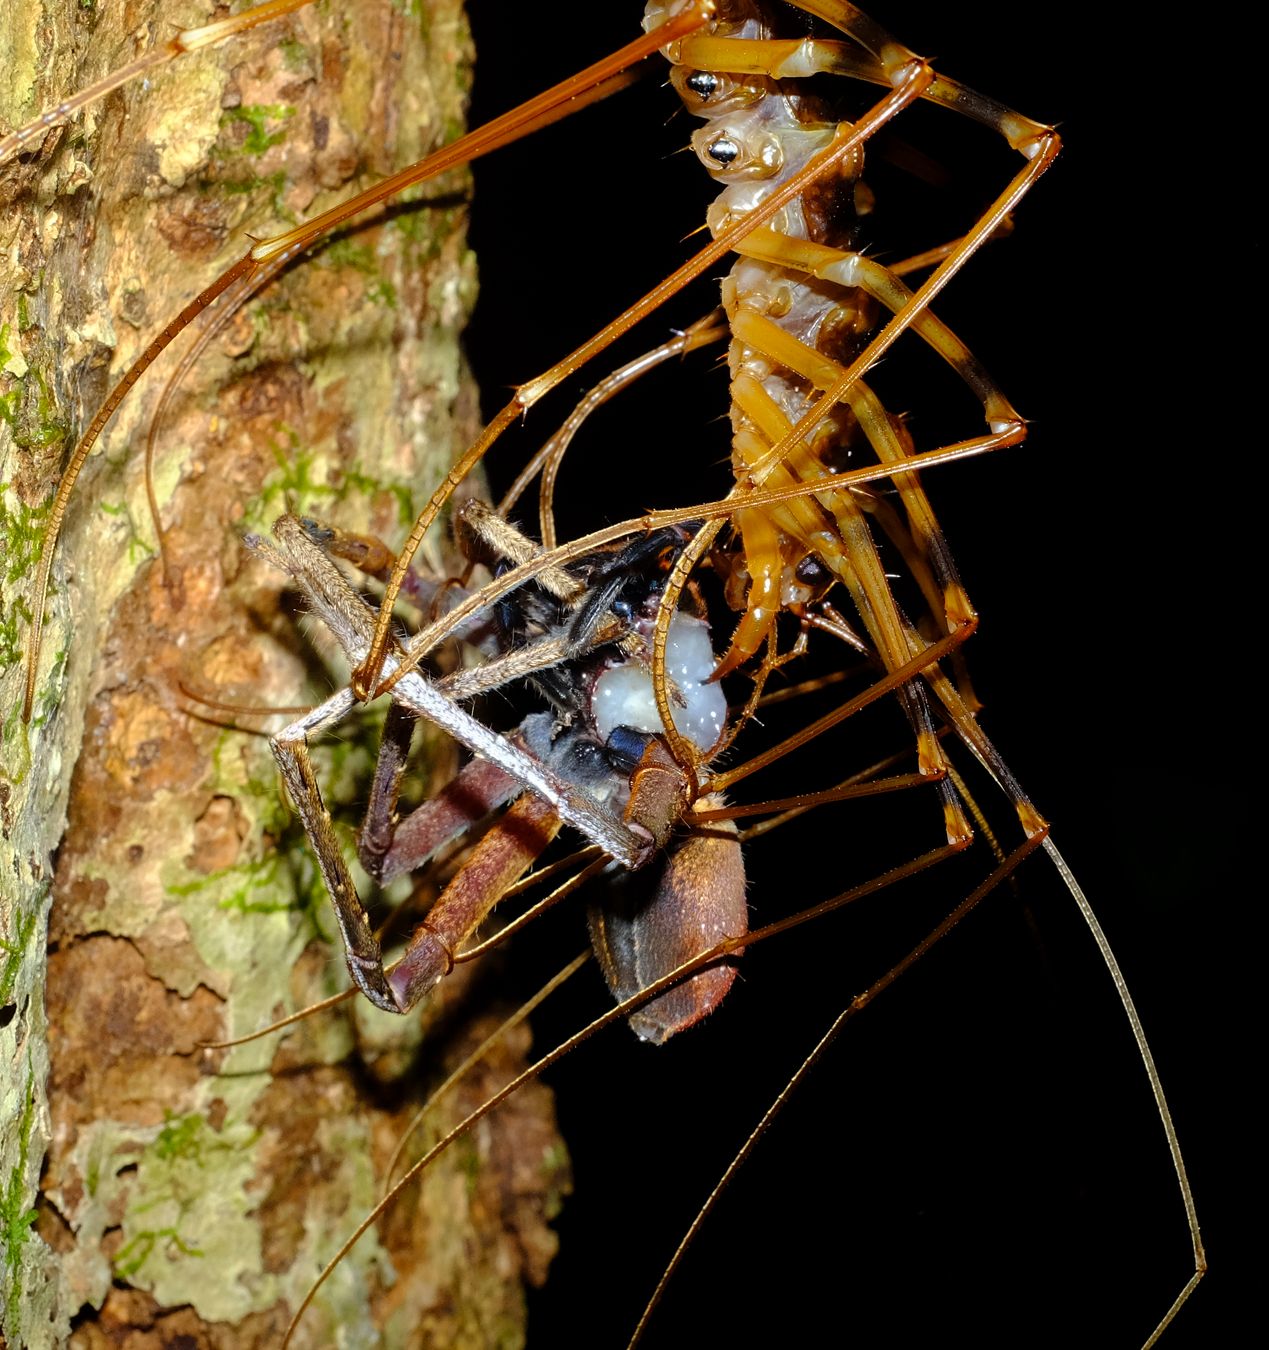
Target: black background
978, 1156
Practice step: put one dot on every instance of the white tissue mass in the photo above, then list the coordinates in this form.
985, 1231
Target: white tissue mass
623, 696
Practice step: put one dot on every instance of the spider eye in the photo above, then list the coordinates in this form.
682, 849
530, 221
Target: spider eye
703, 84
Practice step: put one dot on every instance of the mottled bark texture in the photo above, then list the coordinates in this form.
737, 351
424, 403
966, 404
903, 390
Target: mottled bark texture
193, 1194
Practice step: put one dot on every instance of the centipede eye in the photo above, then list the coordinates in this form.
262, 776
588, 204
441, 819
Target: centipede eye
723, 151
703, 84
810, 571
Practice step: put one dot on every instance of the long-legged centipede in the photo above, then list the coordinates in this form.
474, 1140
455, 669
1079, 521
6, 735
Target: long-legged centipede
606, 1130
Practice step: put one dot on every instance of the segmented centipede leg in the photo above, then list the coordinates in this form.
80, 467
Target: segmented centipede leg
549, 458
772, 442
188, 40
798, 58
267, 257
852, 555
909, 83
853, 271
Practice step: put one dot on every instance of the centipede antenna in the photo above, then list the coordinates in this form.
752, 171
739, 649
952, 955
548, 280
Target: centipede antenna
66, 487
215, 321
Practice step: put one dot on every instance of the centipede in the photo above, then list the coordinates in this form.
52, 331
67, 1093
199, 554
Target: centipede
972, 1147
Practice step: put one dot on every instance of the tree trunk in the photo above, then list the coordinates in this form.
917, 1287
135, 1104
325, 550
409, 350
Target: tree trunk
192, 1192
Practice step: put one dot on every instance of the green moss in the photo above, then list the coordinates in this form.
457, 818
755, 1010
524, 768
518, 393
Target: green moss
295, 54
138, 549
294, 487
181, 1137
258, 117
284, 878
383, 292
138, 1251
348, 252
16, 1219
14, 621
369, 486
46, 699
413, 225
554, 1157
172, 1174
28, 407
244, 187
13, 951
298, 487
49, 427
418, 11
188, 1232
424, 226
17, 745
22, 530
361, 258
467, 1160
554, 1170
275, 184
265, 886
232, 777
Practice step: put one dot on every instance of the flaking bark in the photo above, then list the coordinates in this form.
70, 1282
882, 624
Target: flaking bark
189, 1192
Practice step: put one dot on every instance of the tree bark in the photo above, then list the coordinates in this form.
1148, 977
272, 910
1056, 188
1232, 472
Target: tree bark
190, 1192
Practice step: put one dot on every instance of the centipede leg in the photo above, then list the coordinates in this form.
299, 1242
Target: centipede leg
878, 599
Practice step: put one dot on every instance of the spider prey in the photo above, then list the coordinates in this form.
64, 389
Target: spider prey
594, 761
